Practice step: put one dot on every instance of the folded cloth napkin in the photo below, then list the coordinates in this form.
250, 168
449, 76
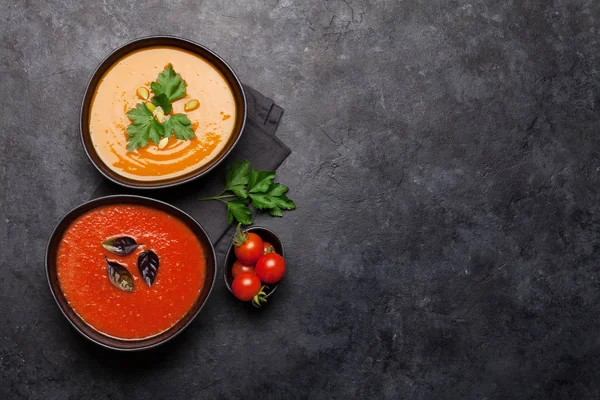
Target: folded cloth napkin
258, 144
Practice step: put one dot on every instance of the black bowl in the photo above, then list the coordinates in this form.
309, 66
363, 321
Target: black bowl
169, 41
268, 236
108, 341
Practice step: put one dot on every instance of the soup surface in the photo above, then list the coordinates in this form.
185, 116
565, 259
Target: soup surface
213, 122
145, 311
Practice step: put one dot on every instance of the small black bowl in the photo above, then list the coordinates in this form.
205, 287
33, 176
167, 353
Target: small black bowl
268, 236
96, 336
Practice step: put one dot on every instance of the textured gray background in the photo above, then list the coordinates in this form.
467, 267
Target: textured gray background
445, 165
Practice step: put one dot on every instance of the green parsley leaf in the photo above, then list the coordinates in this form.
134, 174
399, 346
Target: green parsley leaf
275, 212
238, 209
259, 182
273, 198
261, 201
240, 191
169, 83
278, 189
237, 178
181, 125
284, 203
252, 187
140, 114
143, 128
162, 101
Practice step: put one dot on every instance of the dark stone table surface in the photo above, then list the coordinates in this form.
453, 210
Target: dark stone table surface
445, 165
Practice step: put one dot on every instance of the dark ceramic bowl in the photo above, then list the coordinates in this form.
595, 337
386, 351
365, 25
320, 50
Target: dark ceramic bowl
268, 236
109, 341
170, 41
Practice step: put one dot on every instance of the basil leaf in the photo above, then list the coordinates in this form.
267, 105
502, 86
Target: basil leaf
148, 266
121, 245
119, 276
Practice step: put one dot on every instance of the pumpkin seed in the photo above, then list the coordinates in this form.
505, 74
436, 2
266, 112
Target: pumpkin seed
143, 93
191, 105
163, 143
151, 107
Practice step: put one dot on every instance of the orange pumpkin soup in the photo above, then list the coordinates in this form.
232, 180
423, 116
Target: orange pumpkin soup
146, 310
213, 121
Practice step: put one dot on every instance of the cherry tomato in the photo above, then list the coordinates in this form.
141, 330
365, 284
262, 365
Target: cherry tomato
239, 268
270, 268
268, 248
248, 247
246, 286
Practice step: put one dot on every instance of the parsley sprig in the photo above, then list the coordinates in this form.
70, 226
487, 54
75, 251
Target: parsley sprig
154, 123
245, 186
170, 84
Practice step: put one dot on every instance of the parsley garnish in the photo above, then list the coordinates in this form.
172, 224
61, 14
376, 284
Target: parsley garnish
181, 125
153, 125
162, 101
144, 127
169, 83
245, 186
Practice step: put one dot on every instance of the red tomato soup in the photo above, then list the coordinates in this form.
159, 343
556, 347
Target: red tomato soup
145, 311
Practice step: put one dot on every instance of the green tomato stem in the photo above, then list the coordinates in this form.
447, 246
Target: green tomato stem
260, 297
240, 237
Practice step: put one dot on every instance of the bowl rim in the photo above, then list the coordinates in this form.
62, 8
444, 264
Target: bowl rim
149, 184
230, 249
135, 198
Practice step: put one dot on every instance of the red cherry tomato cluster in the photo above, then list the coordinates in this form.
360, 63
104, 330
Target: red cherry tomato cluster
257, 263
